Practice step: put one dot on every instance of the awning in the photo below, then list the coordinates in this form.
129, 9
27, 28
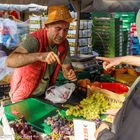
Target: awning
28, 7
86, 5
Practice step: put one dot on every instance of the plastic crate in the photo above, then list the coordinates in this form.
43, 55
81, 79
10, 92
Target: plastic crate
106, 36
34, 111
4, 88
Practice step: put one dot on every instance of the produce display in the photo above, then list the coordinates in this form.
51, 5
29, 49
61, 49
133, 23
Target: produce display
125, 74
99, 99
116, 87
61, 127
112, 86
23, 130
94, 105
122, 70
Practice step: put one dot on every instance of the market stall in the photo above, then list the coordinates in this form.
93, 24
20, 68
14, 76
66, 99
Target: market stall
51, 117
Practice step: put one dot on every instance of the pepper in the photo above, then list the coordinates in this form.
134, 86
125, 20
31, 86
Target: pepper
114, 87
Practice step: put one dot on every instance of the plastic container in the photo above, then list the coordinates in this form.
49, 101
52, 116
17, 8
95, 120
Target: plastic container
34, 111
4, 88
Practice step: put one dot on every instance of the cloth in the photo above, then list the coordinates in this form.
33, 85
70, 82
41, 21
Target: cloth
26, 79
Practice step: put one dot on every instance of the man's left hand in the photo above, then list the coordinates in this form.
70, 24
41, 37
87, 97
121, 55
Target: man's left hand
69, 73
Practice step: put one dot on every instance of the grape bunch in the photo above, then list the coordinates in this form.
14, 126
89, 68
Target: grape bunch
61, 127
23, 130
91, 107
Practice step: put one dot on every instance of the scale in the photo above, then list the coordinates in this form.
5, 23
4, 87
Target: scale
82, 62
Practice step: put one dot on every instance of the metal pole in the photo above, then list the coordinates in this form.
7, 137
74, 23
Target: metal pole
78, 8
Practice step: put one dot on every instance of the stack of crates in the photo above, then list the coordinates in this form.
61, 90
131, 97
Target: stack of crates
106, 36
4, 90
125, 43
126, 17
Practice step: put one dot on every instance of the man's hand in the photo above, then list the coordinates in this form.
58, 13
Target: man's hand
68, 72
101, 128
71, 75
49, 57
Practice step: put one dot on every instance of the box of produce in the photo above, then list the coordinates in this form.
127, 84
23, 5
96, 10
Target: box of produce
34, 111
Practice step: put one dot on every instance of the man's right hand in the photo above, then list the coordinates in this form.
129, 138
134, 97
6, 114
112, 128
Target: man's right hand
49, 57
21, 57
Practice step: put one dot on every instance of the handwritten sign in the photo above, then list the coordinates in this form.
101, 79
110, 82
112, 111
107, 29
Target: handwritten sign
84, 130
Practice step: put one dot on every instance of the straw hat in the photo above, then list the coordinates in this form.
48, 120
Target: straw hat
57, 13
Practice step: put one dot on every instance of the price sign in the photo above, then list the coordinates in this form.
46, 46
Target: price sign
84, 130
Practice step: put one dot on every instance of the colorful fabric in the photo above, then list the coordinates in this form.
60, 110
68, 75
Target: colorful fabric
26, 79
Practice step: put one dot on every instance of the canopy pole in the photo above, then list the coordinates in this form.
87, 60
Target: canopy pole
78, 9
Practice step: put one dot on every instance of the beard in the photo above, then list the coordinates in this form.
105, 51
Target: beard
59, 39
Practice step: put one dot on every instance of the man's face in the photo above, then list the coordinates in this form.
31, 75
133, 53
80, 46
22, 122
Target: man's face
57, 32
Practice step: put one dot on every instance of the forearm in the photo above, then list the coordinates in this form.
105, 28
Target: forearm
68, 72
21, 59
131, 60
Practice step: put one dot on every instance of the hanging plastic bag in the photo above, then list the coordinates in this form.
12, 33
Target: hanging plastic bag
10, 33
60, 94
4, 70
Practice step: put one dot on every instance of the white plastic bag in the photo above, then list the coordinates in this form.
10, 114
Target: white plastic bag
10, 33
4, 70
59, 94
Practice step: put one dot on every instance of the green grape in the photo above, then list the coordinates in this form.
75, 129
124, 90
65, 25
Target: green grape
91, 107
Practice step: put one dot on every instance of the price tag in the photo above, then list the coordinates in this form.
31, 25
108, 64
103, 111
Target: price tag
84, 130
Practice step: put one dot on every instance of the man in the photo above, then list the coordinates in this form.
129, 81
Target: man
40, 56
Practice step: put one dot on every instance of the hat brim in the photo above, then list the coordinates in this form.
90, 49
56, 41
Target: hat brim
66, 20
138, 24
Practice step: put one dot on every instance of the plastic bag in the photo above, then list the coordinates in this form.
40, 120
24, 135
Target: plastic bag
10, 33
4, 70
60, 94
